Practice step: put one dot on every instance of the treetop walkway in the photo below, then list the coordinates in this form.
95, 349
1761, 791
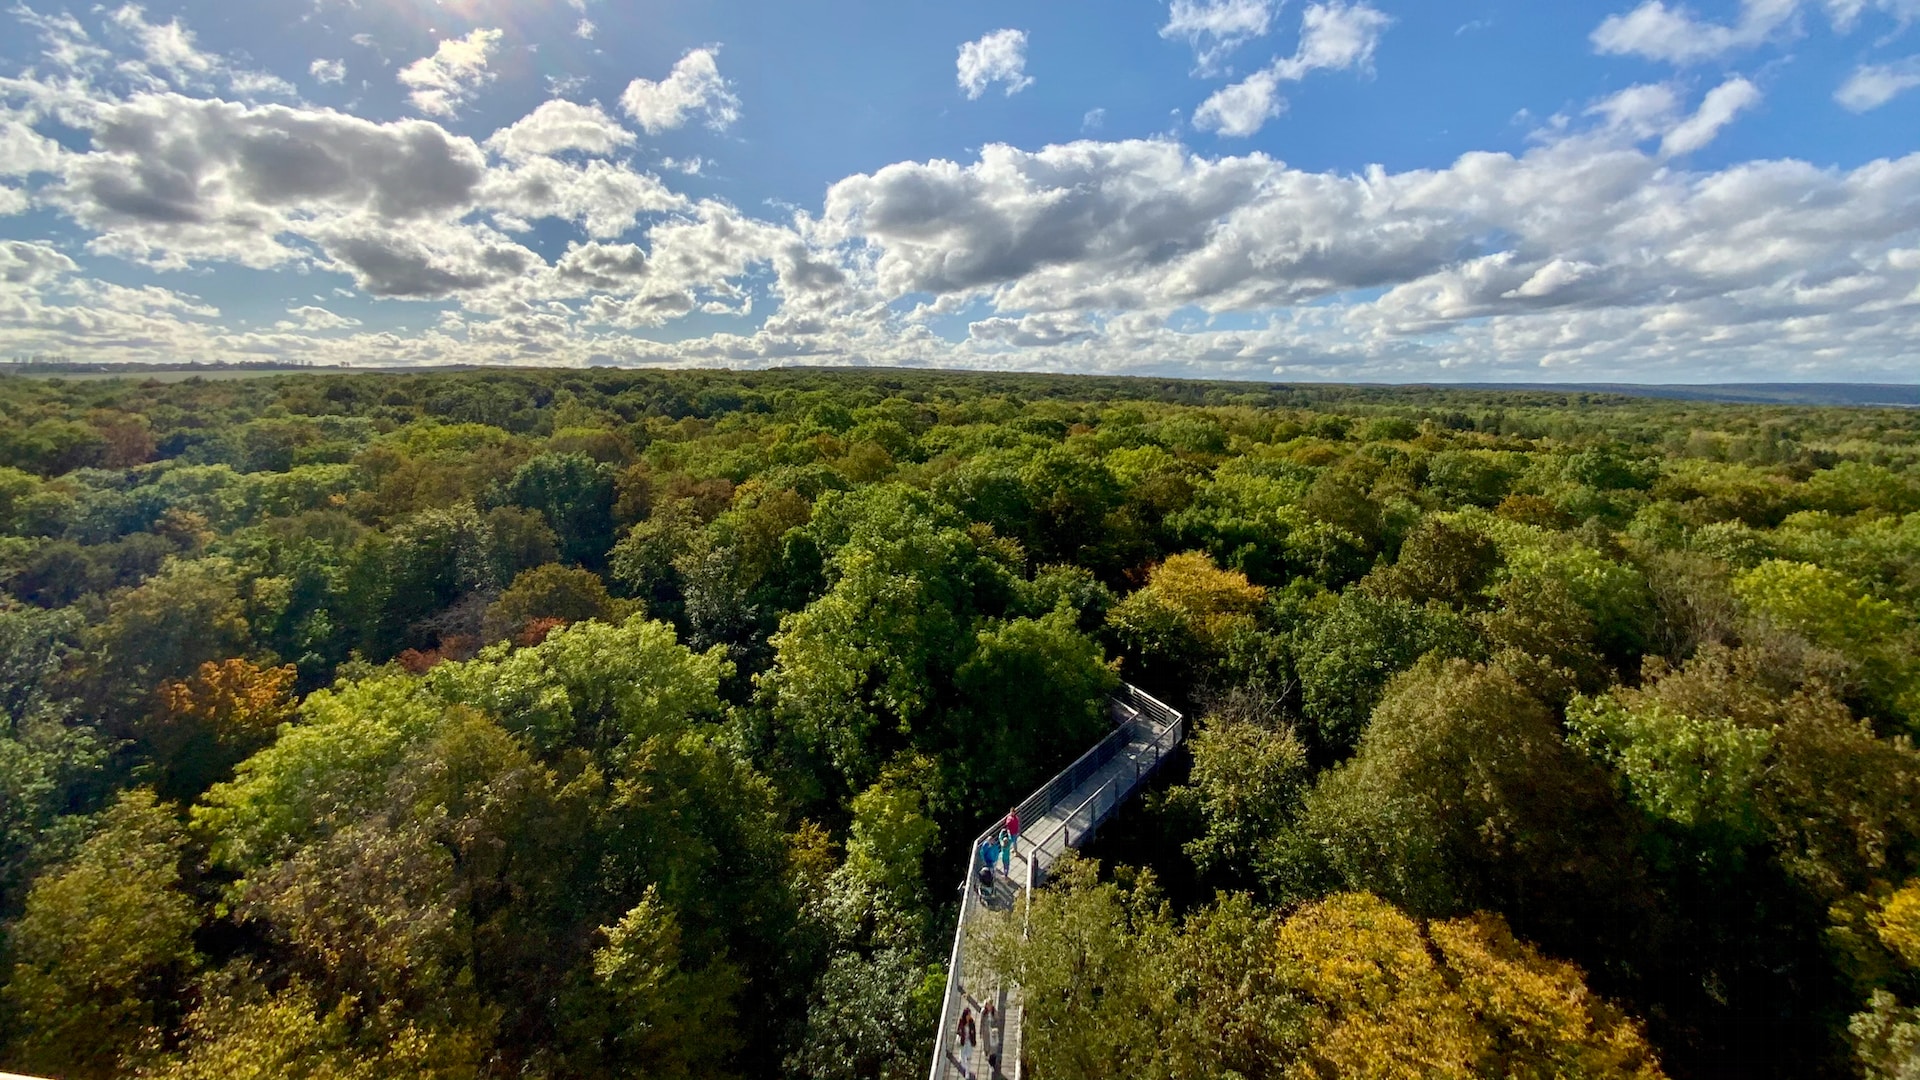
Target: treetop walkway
1063, 814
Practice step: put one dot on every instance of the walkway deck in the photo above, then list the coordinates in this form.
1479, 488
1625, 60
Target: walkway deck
1063, 814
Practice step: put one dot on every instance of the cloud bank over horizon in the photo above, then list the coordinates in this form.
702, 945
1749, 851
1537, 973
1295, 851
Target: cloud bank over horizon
469, 200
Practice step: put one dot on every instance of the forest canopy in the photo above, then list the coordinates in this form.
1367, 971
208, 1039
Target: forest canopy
604, 723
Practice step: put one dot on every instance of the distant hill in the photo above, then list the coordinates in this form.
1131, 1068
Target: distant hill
1903, 395
1896, 395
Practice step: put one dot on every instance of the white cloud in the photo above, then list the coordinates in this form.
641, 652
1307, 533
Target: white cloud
315, 319
423, 260
258, 84
1717, 110
1033, 330
1094, 120
1639, 112
1334, 36
169, 47
24, 151
32, 264
1597, 253
1873, 85
328, 71
585, 30
441, 83
558, 126
1593, 240
1243, 108
175, 179
1656, 31
604, 198
693, 88
999, 57
1653, 110
599, 267
1216, 27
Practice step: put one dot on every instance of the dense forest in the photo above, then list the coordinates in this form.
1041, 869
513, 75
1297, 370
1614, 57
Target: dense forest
607, 724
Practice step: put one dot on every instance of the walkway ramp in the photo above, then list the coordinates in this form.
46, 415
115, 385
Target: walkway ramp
1063, 814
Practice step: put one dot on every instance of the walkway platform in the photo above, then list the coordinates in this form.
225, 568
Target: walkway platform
1063, 814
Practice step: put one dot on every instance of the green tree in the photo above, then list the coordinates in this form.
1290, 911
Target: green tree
1440, 561
1032, 697
1463, 796
190, 613
1346, 657
552, 593
1249, 775
1834, 612
1186, 615
575, 494
104, 949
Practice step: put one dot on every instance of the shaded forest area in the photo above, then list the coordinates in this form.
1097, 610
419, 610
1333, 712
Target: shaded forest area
606, 724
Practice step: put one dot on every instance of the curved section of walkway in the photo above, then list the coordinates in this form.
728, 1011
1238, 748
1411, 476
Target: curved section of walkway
1063, 814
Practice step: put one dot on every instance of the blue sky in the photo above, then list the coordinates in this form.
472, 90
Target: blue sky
1348, 189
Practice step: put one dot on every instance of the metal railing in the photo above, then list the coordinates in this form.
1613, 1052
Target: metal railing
1140, 720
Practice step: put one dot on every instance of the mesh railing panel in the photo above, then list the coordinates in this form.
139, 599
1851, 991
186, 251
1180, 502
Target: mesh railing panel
1138, 718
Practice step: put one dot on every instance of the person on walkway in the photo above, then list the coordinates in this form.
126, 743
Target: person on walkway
1013, 827
968, 1034
1005, 843
988, 853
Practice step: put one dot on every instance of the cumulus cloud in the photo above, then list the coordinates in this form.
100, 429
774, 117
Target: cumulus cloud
1721, 105
1653, 110
1588, 235
604, 198
1217, 27
694, 88
439, 84
1873, 85
1034, 330
558, 126
1243, 108
585, 30
602, 267
1334, 36
315, 319
1638, 112
174, 178
999, 57
328, 71
24, 151
424, 260
1598, 252
27, 263
1656, 31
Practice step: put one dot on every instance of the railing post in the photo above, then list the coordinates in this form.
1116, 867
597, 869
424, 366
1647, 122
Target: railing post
1135, 712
